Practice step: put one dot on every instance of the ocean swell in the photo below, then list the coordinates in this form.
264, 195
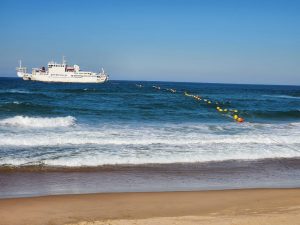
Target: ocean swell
283, 96
290, 114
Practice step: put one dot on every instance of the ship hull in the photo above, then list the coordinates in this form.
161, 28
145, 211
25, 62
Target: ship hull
66, 79
20, 74
61, 72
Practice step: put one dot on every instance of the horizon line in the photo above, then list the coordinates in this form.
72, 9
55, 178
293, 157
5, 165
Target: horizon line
166, 81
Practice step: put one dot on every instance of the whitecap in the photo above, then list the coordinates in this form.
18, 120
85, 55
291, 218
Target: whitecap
38, 122
19, 91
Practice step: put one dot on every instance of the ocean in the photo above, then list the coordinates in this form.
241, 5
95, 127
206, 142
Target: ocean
124, 126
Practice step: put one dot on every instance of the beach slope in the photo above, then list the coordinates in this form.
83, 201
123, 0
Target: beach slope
249, 206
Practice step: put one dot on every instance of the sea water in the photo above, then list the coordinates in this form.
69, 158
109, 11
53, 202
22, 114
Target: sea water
121, 123
131, 123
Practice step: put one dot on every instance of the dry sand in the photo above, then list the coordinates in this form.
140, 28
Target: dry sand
253, 206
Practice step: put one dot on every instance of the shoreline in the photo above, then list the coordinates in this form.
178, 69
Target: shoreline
207, 207
288, 161
42, 181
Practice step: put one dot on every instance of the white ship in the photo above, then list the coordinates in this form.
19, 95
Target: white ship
57, 72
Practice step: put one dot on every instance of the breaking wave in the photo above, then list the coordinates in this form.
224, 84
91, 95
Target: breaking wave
38, 122
106, 144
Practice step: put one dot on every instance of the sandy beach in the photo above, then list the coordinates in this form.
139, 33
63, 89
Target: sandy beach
248, 206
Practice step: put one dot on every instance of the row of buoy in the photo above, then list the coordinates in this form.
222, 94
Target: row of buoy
233, 113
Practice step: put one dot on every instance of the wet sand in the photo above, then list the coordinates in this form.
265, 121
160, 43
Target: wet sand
248, 206
29, 181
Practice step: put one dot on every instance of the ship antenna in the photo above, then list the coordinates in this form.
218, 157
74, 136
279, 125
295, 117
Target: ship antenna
20, 62
63, 60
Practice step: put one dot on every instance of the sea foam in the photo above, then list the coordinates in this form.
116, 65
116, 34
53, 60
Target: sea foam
124, 144
38, 122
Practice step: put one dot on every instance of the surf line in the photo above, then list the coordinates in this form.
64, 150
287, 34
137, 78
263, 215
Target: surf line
232, 113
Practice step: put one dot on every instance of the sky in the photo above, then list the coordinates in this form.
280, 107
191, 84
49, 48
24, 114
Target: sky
224, 41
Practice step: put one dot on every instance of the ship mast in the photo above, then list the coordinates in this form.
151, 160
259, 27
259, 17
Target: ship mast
21, 70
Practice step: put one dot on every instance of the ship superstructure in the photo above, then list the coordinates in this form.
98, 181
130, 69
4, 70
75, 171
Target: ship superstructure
61, 72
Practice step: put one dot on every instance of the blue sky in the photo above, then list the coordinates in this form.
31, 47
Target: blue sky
223, 41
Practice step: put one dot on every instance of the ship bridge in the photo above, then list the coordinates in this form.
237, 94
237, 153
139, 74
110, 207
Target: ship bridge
57, 68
